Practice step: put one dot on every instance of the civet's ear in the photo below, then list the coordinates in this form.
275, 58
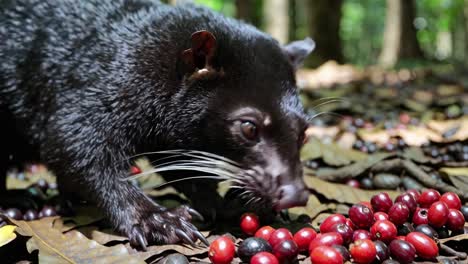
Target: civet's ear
200, 56
297, 51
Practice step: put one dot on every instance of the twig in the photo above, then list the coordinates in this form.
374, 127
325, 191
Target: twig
453, 252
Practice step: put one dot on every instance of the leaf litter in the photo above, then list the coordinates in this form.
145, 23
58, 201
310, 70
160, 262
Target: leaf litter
414, 135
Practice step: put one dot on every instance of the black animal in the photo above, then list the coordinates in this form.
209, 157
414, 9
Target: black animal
84, 85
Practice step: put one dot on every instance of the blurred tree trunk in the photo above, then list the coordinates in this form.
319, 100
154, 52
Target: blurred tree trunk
276, 15
399, 41
244, 10
292, 20
465, 12
323, 17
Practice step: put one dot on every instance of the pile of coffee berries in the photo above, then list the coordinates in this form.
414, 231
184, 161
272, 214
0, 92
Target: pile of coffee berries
382, 230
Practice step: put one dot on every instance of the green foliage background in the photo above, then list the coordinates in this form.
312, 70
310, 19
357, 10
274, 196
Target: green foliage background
362, 25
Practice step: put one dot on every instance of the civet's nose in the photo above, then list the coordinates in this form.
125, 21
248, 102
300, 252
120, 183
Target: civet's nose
292, 195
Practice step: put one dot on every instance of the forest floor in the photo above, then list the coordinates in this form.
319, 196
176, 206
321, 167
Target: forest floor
373, 131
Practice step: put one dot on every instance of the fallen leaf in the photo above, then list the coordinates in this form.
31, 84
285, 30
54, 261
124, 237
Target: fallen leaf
101, 236
415, 154
377, 136
343, 193
311, 150
84, 215
460, 182
455, 171
331, 153
312, 208
346, 140
417, 136
458, 177
7, 234
72, 247
443, 126
454, 238
351, 170
321, 132
328, 74
182, 249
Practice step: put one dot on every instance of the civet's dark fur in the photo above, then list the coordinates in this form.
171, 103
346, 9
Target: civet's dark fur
86, 84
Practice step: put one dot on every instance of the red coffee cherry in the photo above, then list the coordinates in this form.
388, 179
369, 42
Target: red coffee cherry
415, 193
264, 258
353, 183
345, 231
327, 239
326, 255
222, 250
366, 203
361, 234
361, 215
363, 251
420, 216
285, 250
437, 214
451, 200
381, 202
384, 230
344, 252
280, 235
380, 216
455, 220
398, 213
428, 197
425, 247
350, 223
249, 223
265, 232
402, 251
330, 221
303, 237
408, 200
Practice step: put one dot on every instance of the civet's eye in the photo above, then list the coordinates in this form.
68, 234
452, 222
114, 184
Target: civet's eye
249, 130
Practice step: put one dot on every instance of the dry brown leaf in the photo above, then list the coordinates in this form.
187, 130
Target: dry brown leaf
321, 132
346, 140
454, 238
443, 126
331, 153
72, 247
343, 193
352, 170
455, 171
182, 249
312, 208
328, 74
377, 136
84, 215
415, 154
101, 236
417, 136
